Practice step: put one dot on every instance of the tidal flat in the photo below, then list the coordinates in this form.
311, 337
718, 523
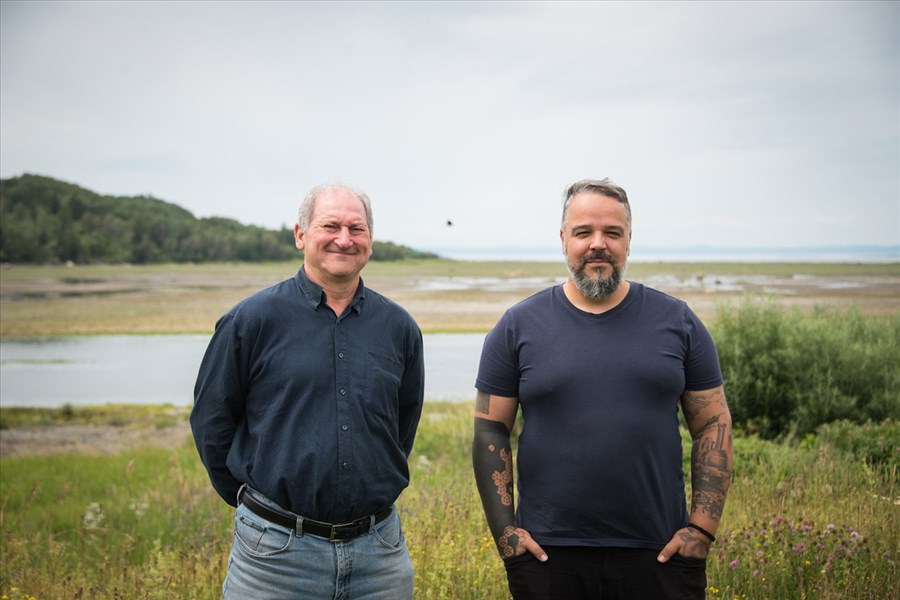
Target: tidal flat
444, 296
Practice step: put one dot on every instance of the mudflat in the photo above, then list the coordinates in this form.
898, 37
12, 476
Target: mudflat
442, 295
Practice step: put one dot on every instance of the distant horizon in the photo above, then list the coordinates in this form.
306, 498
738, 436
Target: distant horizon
871, 253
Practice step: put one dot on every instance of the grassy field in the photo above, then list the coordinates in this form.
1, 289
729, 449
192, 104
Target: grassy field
815, 517
443, 295
803, 520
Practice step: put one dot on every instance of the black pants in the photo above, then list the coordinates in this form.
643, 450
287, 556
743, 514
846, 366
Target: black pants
581, 573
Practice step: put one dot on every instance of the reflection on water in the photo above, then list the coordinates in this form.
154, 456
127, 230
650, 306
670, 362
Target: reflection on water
161, 369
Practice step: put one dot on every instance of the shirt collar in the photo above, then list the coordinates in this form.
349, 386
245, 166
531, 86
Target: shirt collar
315, 295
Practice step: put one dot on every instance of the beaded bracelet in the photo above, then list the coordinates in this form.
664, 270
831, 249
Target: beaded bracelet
711, 537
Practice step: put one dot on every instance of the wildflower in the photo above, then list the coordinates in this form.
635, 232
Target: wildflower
733, 563
138, 508
93, 516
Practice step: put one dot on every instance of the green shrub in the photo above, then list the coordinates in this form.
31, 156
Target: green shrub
787, 372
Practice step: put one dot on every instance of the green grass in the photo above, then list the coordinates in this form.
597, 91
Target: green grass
811, 519
133, 415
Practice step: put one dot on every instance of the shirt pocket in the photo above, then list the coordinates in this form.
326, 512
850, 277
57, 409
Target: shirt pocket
383, 376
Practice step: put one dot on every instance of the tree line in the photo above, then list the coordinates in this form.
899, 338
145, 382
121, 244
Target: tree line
44, 220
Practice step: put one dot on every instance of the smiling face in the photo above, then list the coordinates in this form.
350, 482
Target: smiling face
596, 239
337, 242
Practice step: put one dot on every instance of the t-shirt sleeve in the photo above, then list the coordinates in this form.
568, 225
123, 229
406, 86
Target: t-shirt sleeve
701, 368
498, 369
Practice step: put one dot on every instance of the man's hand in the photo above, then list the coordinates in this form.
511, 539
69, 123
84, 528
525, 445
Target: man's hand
516, 541
687, 543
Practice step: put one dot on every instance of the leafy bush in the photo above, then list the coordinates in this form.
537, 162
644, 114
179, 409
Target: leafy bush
789, 372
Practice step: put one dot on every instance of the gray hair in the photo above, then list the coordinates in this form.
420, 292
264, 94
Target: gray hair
308, 206
604, 187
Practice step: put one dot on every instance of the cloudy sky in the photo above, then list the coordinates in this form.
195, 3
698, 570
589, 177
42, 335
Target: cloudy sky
728, 123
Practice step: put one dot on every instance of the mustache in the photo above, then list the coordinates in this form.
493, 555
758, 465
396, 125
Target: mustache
598, 255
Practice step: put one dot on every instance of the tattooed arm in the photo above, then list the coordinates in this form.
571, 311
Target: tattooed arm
492, 462
709, 422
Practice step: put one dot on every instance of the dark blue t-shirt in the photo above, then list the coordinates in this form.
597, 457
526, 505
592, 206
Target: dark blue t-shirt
599, 458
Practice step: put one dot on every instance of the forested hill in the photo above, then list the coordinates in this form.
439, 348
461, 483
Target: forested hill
44, 220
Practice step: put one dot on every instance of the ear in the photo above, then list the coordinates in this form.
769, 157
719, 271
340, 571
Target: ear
562, 240
298, 237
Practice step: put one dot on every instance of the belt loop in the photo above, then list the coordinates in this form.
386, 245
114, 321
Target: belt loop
299, 527
371, 523
241, 490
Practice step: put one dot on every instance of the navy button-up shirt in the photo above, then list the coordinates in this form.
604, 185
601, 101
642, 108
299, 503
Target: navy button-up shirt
315, 410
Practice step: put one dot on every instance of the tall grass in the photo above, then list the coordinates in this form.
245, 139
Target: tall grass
809, 519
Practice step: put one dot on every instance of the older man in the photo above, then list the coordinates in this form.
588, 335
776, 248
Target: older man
306, 408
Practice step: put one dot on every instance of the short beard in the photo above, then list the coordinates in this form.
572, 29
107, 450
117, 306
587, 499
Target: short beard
596, 287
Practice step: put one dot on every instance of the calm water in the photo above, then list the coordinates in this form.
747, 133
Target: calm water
161, 369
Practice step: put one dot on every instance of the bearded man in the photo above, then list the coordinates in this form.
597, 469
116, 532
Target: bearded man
599, 366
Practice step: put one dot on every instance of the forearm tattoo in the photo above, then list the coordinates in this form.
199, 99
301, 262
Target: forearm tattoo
493, 465
711, 455
503, 479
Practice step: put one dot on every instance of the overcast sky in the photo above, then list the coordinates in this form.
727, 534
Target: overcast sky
728, 123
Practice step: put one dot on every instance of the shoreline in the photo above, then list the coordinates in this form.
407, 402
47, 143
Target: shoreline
443, 296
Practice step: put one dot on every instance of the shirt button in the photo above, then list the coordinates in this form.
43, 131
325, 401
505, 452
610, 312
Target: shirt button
340, 355
346, 466
343, 392
344, 428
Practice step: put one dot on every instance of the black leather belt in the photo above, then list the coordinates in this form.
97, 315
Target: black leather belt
337, 533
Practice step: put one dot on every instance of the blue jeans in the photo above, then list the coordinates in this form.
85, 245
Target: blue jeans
271, 562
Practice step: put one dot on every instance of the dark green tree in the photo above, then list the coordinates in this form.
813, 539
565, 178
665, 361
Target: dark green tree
44, 220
